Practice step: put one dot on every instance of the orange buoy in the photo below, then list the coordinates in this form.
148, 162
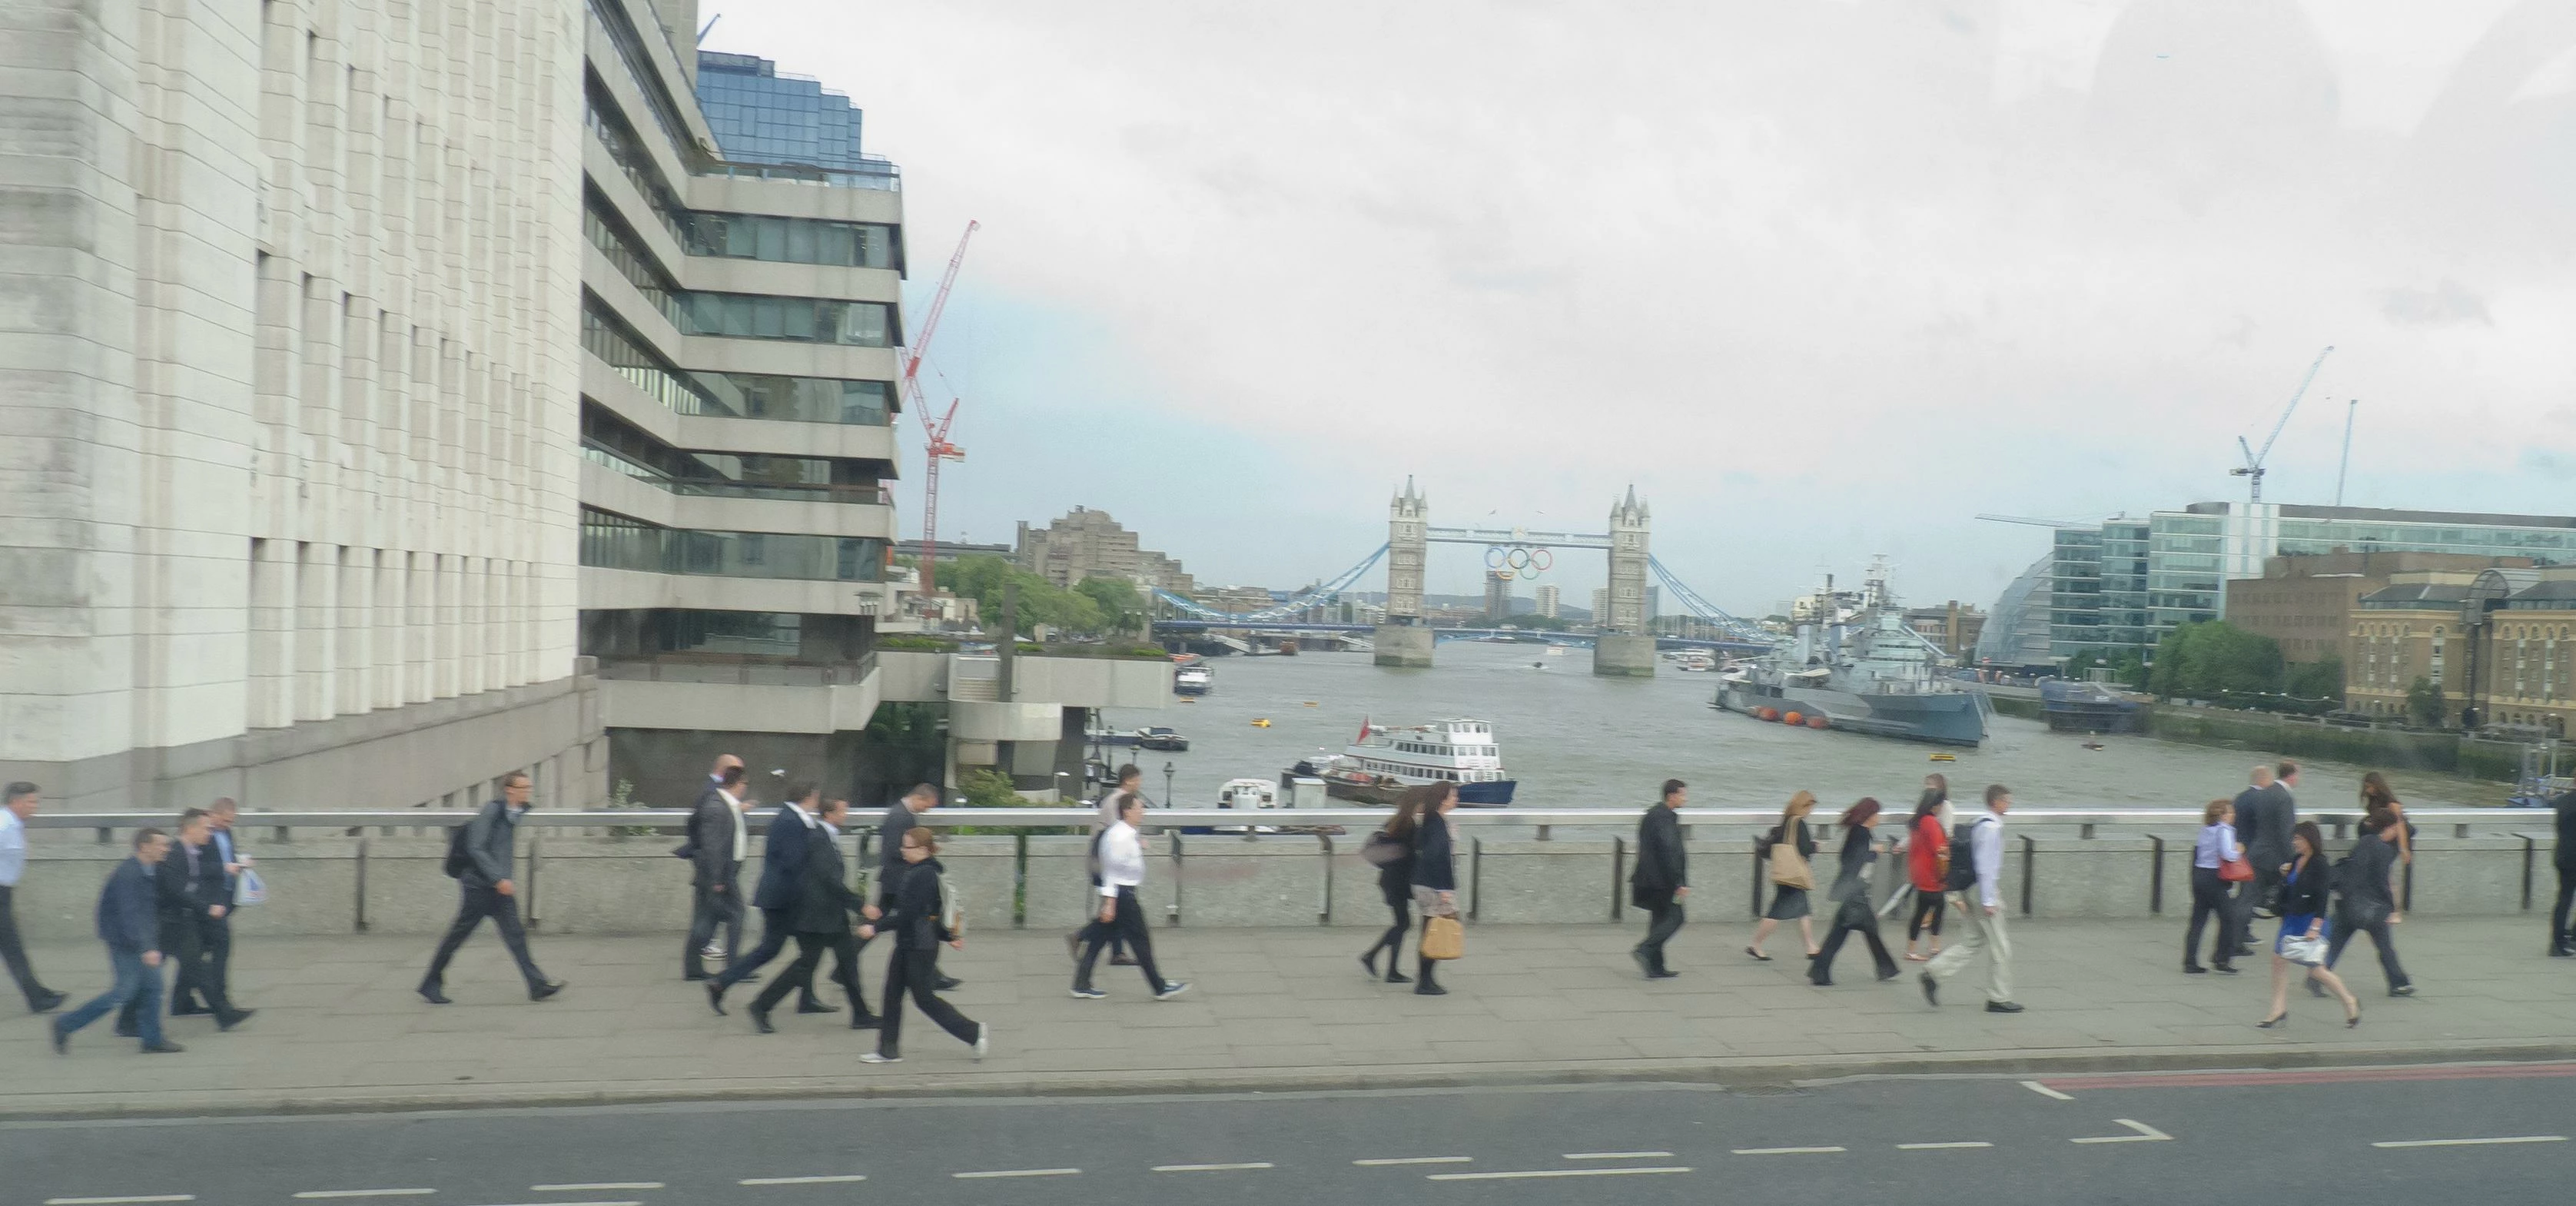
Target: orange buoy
1793, 719
1815, 722
1766, 713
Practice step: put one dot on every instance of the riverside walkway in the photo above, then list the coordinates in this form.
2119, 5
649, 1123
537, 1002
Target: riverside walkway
339, 1027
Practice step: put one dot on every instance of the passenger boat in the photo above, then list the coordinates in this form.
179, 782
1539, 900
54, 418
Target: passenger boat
1193, 679
1381, 762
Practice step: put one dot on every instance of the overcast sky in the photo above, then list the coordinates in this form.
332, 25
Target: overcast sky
1821, 279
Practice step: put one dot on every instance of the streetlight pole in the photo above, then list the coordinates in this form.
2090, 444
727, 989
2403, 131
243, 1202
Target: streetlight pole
1060, 777
1167, 785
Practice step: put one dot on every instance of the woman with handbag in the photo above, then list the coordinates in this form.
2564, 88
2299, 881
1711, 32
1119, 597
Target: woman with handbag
1435, 889
2217, 866
1853, 913
1927, 863
2376, 796
2364, 901
2304, 891
1393, 844
1788, 848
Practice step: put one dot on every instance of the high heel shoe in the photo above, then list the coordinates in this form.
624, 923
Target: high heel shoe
2352, 1021
1757, 954
2273, 1022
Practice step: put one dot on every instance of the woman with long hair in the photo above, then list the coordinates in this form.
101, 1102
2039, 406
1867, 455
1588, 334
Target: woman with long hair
1854, 912
1395, 880
1789, 900
1435, 875
2376, 796
2304, 893
2212, 893
1927, 849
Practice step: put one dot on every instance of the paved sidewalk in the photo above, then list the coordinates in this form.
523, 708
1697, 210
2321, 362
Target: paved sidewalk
339, 1028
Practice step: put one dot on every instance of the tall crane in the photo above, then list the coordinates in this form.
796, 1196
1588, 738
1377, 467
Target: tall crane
2252, 470
935, 447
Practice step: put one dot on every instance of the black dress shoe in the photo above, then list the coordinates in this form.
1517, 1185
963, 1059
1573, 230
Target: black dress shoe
47, 1001
125, 1031
2003, 1007
2224, 969
1826, 982
865, 1021
432, 994
760, 1022
62, 1037
816, 1007
693, 977
235, 1018
163, 1048
947, 983
1429, 990
1663, 973
541, 991
189, 1011
1396, 977
1931, 989
715, 997
2194, 969
1122, 960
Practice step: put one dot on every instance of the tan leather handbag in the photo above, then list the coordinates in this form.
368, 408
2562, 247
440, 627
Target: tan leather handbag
1787, 869
1443, 938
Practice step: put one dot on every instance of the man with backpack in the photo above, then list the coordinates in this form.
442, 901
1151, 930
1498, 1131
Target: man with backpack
480, 855
1976, 893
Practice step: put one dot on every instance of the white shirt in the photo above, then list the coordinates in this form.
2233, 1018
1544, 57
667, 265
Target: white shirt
1122, 859
13, 848
1986, 846
741, 834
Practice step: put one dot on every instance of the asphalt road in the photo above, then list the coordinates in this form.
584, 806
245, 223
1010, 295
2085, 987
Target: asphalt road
2486, 1134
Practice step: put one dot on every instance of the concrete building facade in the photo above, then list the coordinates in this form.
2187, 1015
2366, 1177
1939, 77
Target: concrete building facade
2498, 644
1547, 600
742, 266
1089, 544
2305, 601
291, 393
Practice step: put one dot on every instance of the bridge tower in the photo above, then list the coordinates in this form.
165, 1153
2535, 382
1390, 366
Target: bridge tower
1402, 637
1626, 646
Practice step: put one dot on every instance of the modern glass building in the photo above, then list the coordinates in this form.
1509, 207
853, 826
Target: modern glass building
763, 118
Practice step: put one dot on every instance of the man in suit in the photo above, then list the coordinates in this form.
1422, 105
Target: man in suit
2562, 941
1661, 880
792, 831
191, 894
821, 919
129, 923
20, 805
899, 819
2263, 820
717, 842
217, 928
489, 888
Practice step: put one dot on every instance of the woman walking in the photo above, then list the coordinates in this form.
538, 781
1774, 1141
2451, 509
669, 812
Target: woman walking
1395, 880
2365, 900
1435, 876
1853, 911
2217, 866
2375, 795
912, 906
2303, 927
1790, 877
1927, 863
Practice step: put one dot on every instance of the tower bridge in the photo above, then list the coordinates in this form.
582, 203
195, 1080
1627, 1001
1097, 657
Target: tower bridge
1623, 643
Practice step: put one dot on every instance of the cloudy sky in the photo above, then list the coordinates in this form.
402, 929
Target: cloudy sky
1822, 279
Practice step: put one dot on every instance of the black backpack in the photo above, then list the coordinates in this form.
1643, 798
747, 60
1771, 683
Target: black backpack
460, 854
1963, 857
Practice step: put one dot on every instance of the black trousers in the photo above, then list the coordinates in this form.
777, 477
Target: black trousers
775, 930
810, 949
201, 970
1848, 922
1392, 941
2345, 928
2558, 934
917, 973
710, 910
14, 953
1667, 921
1129, 923
2212, 897
1927, 914
2263, 893
476, 904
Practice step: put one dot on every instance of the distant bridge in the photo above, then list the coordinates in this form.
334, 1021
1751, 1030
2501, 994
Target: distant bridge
1520, 636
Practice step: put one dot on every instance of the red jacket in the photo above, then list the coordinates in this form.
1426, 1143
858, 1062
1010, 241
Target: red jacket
1923, 853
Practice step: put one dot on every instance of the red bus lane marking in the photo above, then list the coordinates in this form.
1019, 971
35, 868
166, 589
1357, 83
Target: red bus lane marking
2313, 1076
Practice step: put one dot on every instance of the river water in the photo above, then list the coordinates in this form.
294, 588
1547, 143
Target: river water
1574, 740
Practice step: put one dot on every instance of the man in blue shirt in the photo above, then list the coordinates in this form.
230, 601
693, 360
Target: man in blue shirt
129, 922
20, 805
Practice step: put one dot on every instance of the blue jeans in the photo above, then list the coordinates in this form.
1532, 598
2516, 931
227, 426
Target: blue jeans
134, 982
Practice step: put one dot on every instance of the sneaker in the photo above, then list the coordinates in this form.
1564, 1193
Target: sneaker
2402, 990
871, 1057
983, 1041
1171, 989
1931, 989
2194, 969
1663, 973
1089, 994
2003, 1007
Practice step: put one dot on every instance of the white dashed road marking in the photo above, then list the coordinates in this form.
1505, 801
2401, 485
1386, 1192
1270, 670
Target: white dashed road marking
1395, 1160
1939, 1147
1017, 1172
1618, 1155
595, 1187
2472, 1142
1786, 1151
843, 1179
1211, 1167
166, 1197
2044, 1090
312, 1194
2145, 1134
1547, 1173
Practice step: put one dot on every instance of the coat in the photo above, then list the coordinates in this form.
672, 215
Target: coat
713, 859
2264, 818
912, 904
1663, 867
824, 901
129, 915
2564, 858
490, 845
183, 891
1851, 886
890, 831
782, 861
2304, 893
1434, 857
2361, 882
1395, 880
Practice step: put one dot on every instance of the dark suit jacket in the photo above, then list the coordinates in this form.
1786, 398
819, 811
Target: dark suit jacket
890, 842
824, 901
184, 887
782, 861
2564, 858
711, 850
1662, 865
129, 915
2264, 816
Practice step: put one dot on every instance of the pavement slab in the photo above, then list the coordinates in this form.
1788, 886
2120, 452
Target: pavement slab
339, 1027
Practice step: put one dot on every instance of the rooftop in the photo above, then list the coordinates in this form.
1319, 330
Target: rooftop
787, 126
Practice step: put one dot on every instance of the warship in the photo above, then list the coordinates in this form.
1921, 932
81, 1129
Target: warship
1856, 665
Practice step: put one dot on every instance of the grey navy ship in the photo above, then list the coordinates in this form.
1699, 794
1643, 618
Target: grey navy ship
1856, 665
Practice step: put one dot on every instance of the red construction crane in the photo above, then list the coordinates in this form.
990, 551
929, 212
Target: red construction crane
936, 448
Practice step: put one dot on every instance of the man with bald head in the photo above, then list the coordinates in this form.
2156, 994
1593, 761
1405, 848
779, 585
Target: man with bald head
2264, 816
715, 849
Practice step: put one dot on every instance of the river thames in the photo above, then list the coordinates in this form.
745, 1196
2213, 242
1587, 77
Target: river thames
1574, 740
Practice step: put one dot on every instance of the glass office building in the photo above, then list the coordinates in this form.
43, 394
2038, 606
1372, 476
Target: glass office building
762, 118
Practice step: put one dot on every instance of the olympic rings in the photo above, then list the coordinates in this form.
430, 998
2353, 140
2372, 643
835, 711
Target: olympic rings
1503, 575
1542, 560
1494, 557
1518, 561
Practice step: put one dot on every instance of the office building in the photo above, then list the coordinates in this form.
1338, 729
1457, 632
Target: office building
2305, 601
1547, 602
1953, 626
742, 271
2498, 646
1088, 543
1498, 596
292, 360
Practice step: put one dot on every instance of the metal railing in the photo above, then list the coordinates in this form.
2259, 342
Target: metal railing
737, 670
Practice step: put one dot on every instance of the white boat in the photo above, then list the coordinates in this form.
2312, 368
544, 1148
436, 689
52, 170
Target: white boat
1461, 751
1193, 680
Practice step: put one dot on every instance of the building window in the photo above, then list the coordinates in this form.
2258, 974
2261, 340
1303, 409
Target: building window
730, 395
610, 541
796, 319
795, 240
